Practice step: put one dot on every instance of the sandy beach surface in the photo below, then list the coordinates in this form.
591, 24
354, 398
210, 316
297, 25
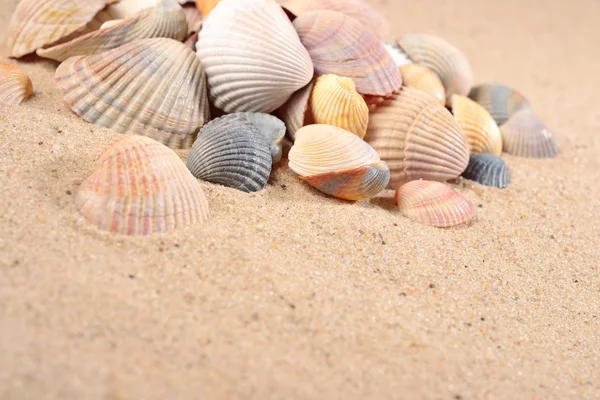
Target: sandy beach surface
289, 294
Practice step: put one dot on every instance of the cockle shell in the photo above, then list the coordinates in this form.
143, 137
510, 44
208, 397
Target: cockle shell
525, 135
433, 203
340, 45
151, 87
487, 169
294, 111
435, 53
272, 128
166, 19
424, 79
417, 138
500, 101
337, 162
232, 152
252, 55
15, 85
482, 132
140, 187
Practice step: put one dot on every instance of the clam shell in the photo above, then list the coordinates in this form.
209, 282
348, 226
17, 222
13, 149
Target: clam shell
500, 101
15, 85
435, 53
232, 152
341, 45
424, 79
417, 138
487, 169
294, 112
433, 203
337, 162
479, 126
194, 19
272, 128
524, 135
151, 87
253, 58
140, 187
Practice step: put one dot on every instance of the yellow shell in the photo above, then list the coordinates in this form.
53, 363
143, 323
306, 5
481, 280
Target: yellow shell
422, 78
15, 85
479, 126
206, 6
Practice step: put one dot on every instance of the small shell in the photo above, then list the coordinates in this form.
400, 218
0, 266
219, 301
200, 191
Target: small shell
272, 128
341, 45
253, 58
194, 18
15, 85
479, 126
338, 163
151, 87
206, 6
417, 138
435, 53
424, 79
232, 152
140, 187
335, 101
524, 135
433, 203
294, 111
500, 101
487, 169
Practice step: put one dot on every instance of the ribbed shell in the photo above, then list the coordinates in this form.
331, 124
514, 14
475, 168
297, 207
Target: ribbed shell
15, 85
479, 126
252, 55
500, 101
150, 87
435, 53
417, 138
525, 135
272, 128
294, 112
232, 152
140, 187
335, 101
433, 203
341, 45
424, 79
487, 169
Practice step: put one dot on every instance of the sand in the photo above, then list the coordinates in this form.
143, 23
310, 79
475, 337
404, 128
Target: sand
289, 294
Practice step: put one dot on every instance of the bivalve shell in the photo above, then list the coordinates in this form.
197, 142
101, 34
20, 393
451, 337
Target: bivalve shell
272, 128
479, 126
487, 169
524, 135
15, 85
500, 101
424, 79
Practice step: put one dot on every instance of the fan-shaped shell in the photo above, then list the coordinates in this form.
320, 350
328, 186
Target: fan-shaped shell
337, 162
433, 203
487, 169
232, 152
500, 101
341, 45
525, 135
140, 187
424, 79
479, 126
15, 85
150, 87
272, 128
253, 58
417, 138
294, 111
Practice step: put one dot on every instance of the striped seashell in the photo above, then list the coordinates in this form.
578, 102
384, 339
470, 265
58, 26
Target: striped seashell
424, 79
15, 85
500, 101
524, 135
140, 187
479, 126
294, 112
487, 169
151, 87
272, 128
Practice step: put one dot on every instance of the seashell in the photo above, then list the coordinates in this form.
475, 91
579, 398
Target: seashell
424, 79
194, 19
272, 128
399, 57
151, 87
435, 53
417, 138
341, 45
482, 132
500, 101
15, 85
337, 163
37, 23
433, 203
524, 135
206, 6
166, 19
487, 169
252, 55
122, 9
140, 187
294, 112
232, 152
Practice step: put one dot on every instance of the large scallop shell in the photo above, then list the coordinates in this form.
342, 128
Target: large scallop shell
479, 126
337, 162
151, 87
295, 111
417, 138
340, 45
232, 152
252, 55
525, 135
140, 187
433, 203
487, 169
500, 101
15, 85
272, 128
424, 79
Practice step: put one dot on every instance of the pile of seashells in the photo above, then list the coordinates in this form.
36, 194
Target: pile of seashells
228, 79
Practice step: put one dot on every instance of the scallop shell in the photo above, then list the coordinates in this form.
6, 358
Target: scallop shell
294, 111
479, 126
487, 169
140, 187
166, 19
500, 101
15, 85
424, 79
435, 53
433, 203
151, 87
525, 135
341, 45
232, 152
194, 18
338, 163
417, 138
272, 128
253, 58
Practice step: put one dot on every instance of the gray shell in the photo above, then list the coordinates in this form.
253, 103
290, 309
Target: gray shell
271, 127
500, 101
487, 169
